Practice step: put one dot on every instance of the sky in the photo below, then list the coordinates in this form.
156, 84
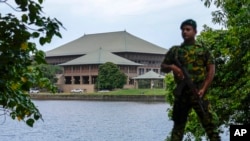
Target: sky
156, 21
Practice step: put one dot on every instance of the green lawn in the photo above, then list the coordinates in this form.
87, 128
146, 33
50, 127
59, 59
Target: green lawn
122, 92
135, 92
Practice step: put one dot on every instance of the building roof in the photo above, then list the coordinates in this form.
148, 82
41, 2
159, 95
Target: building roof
100, 56
120, 41
150, 75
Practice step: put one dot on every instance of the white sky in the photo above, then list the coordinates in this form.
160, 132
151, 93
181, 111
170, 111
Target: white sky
156, 21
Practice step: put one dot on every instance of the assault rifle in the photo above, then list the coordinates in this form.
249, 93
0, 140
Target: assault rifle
187, 81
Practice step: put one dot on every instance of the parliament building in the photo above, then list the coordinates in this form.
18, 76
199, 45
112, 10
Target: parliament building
81, 58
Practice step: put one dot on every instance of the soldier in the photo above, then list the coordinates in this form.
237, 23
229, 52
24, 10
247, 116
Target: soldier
200, 65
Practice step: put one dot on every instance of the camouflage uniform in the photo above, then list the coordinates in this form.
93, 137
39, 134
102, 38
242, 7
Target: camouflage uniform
194, 58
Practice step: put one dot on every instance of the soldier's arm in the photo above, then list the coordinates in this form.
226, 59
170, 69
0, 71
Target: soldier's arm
168, 63
208, 80
166, 68
176, 70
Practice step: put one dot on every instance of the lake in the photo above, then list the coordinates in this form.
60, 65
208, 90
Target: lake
92, 121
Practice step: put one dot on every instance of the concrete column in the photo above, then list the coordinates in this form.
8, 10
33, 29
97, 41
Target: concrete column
128, 76
80, 79
152, 84
136, 83
72, 79
90, 79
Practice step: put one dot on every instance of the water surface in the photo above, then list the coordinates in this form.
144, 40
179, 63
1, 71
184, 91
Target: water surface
92, 121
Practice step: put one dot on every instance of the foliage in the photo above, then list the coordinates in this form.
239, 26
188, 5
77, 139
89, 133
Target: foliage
110, 77
233, 81
17, 36
170, 85
230, 91
50, 71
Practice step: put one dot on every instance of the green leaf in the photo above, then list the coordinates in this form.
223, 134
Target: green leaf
35, 34
18, 2
42, 40
36, 116
24, 18
58, 34
40, 1
30, 122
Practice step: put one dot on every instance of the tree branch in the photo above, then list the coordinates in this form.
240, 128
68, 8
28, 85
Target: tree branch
5, 1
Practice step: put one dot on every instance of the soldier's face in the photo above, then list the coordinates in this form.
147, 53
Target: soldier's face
188, 32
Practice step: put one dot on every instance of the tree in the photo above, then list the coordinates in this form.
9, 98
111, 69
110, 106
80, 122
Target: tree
18, 72
230, 91
234, 81
110, 77
50, 71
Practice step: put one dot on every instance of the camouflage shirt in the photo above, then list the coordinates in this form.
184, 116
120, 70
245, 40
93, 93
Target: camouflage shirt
194, 58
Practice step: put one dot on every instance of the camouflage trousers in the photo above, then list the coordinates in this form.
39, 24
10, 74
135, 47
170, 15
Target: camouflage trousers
181, 109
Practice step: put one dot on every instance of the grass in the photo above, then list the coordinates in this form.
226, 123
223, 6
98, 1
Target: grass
134, 92
125, 92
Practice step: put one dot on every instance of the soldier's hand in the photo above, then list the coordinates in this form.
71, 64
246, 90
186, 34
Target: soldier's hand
201, 93
177, 72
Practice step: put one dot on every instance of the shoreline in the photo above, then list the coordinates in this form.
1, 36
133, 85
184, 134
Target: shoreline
101, 97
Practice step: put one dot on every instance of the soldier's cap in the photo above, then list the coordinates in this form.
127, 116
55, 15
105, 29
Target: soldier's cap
190, 22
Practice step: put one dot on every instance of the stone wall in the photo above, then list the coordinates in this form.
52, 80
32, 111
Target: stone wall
101, 97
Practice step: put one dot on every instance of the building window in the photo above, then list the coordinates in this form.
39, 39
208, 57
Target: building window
85, 68
67, 79
85, 80
132, 69
77, 80
131, 81
76, 69
67, 69
147, 70
141, 71
156, 70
